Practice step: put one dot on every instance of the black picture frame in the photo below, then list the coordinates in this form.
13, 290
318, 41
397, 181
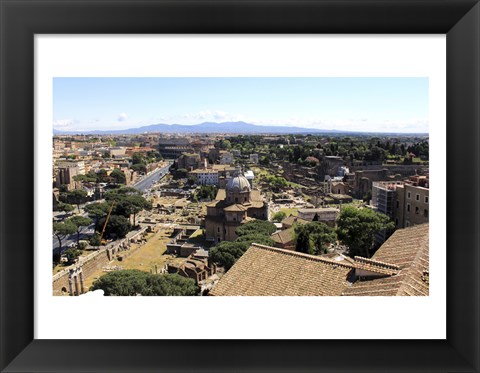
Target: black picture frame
21, 20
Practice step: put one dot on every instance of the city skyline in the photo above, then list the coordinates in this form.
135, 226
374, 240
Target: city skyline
346, 104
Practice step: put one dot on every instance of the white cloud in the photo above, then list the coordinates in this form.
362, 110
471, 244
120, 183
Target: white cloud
63, 123
122, 117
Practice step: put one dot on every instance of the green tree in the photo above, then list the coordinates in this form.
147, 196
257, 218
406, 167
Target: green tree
122, 283
256, 227
139, 167
85, 178
62, 230
262, 239
314, 238
138, 158
225, 144
171, 285
80, 222
181, 173
118, 176
206, 192
277, 183
131, 282
279, 216
77, 196
117, 225
128, 201
97, 210
357, 228
102, 176
65, 207
226, 253
137, 203
94, 240
257, 231
72, 254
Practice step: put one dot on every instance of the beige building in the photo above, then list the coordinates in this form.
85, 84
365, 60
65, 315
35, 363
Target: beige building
411, 205
205, 176
325, 215
66, 170
233, 206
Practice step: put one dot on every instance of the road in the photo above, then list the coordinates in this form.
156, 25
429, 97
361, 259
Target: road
142, 185
85, 234
154, 176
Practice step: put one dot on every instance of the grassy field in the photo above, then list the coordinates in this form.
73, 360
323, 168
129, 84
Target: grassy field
144, 258
290, 211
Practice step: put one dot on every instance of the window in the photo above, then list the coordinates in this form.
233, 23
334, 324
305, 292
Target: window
398, 204
396, 222
417, 197
408, 207
425, 213
426, 199
408, 195
407, 223
417, 209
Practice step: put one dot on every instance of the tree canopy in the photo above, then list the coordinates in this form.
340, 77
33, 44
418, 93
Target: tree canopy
128, 201
279, 216
65, 207
77, 196
117, 225
206, 192
62, 230
79, 222
97, 210
131, 282
118, 176
226, 253
256, 227
314, 238
357, 228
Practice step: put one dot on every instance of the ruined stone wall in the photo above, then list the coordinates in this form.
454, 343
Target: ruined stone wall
89, 266
93, 262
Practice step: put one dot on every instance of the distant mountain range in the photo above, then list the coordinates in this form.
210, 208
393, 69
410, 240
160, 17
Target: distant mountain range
206, 127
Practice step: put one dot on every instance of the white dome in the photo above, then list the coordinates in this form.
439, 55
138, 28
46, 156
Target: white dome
238, 184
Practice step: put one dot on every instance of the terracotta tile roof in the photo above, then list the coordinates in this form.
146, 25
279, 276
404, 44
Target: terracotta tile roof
256, 196
221, 194
375, 266
292, 219
408, 250
236, 207
265, 270
284, 236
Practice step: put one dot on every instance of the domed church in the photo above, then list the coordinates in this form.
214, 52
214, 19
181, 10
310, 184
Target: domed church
232, 207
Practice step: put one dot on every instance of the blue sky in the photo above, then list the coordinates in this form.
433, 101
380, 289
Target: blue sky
356, 104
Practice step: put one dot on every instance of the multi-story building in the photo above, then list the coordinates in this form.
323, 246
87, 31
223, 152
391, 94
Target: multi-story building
189, 161
325, 215
405, 202
67, 170
205, 176
411, 205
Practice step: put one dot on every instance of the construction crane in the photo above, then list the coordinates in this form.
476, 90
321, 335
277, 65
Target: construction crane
106, 221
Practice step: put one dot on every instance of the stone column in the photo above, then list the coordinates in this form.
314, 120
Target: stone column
82, 288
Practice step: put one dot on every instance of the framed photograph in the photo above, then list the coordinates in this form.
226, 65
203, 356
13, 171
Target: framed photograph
44, 44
